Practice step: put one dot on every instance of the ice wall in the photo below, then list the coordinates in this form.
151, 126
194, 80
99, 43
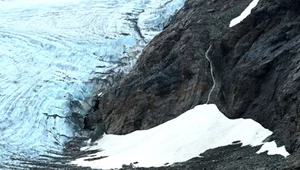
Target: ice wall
50, 53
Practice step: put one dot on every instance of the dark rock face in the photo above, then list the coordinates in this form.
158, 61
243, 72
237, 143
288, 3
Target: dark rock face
256, 65
226, 158
292, 162
172, 74
257, 70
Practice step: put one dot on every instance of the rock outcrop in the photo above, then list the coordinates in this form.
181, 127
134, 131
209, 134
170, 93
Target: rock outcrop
256, 65
172, 74
224, 158
257, 70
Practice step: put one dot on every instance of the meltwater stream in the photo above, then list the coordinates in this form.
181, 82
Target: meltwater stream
50, 53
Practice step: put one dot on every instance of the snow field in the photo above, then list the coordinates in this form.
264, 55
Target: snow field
201, 128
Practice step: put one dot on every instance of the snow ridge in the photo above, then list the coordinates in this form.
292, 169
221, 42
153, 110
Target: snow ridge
244, 14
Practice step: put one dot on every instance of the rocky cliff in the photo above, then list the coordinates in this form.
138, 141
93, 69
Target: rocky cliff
172, 74
256, 66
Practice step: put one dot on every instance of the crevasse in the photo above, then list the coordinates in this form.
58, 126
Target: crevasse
50, 53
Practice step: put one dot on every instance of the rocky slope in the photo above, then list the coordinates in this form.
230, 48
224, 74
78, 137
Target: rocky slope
172, 74
255, 65
225, 158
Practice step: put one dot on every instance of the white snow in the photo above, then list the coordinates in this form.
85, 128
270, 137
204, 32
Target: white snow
272, 149
177, 140
244, 14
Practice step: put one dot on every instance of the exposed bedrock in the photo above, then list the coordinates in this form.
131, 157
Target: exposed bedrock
256, 65
231, 157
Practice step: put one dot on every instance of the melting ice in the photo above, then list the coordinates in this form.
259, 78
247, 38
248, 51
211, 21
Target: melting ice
50, 52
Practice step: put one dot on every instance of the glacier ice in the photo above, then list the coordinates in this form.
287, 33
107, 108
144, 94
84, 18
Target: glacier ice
50, 51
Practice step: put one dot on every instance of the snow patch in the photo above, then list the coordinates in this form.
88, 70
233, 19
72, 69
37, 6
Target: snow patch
244, 14
272, 149
178, 140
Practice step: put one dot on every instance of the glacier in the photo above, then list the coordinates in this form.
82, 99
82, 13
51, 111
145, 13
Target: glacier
52, 51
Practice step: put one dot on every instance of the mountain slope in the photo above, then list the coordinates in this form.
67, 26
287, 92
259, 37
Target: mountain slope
172, 74
195, 131
255, 65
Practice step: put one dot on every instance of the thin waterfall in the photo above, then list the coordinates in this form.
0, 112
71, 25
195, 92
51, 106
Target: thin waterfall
211, 73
